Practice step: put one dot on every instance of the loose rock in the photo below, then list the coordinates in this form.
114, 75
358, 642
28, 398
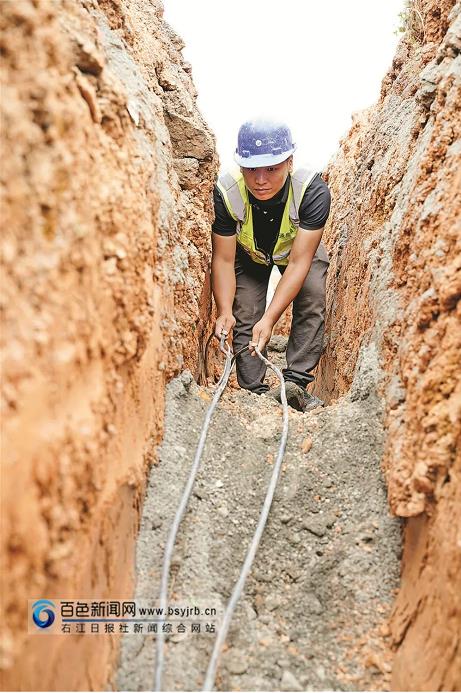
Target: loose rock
289, 682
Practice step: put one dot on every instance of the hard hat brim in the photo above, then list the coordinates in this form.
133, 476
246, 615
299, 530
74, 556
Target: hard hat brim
259, 160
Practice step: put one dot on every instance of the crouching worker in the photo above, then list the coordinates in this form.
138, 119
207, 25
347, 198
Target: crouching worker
266, 215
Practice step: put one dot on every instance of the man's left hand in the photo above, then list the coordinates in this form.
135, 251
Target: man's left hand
262, 332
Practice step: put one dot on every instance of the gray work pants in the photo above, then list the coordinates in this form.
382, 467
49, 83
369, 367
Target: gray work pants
305, 342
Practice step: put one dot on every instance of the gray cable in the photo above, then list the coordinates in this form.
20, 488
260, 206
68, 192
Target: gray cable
211, 671
219, 642
181, 509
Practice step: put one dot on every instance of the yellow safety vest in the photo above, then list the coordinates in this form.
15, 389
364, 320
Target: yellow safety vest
235, 195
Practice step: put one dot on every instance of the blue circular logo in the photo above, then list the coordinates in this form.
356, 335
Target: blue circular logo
41, 608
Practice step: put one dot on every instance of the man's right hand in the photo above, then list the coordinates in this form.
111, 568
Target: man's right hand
224, 324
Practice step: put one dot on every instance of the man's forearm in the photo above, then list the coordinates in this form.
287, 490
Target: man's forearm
287, 289
223, 284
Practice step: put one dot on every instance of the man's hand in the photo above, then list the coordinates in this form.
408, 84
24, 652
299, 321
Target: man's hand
224, 324
262, 332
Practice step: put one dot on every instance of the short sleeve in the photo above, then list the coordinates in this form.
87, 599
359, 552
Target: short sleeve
315, 205
224, 224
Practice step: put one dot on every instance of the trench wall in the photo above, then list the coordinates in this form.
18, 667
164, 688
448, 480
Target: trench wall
106, 203
394, 285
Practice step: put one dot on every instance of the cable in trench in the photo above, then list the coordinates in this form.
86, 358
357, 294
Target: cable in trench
237, 591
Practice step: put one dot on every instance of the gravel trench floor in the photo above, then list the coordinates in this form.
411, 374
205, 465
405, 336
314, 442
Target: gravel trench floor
314, 608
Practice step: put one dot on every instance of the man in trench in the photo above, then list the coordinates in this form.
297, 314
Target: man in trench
266, 215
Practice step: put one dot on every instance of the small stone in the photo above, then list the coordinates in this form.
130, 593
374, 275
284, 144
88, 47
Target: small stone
273, 602
87, 56
320, 672
330, 521
178, 637
134, 109
306, 445
264, 642
312, 605
110, 265
285, 518
294, 538
283, 662
156, 523
250, 613
219, 484
289, 682
278, 343
187, 379
236, 662
315, 526
294, 572
258, 602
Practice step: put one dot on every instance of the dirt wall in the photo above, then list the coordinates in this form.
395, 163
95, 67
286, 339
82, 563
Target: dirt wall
394, 284
106, 203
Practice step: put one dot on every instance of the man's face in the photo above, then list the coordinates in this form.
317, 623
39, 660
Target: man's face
265, 181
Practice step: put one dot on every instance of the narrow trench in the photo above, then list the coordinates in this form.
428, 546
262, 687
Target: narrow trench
312, 616
107, 184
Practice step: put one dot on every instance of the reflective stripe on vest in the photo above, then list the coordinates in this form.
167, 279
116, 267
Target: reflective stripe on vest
235, 195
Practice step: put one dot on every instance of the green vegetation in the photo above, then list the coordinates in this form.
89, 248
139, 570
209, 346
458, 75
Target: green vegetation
412, 22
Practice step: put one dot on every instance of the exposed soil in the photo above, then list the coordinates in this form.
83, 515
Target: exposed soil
106, 162
313, 612
105, 188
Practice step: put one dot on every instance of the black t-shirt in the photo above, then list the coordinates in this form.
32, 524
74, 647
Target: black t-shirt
267, 214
